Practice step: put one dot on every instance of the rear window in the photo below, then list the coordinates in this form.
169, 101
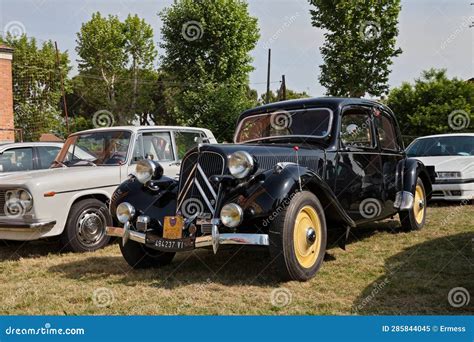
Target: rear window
442, 146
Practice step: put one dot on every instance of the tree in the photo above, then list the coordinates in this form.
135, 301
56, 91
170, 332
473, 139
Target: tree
116, 57
278, 96
207, 45
433, 104
100, 46
360, 38
36, 86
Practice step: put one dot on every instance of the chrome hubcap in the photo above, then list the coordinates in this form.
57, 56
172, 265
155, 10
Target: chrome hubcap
310, 236
91, 227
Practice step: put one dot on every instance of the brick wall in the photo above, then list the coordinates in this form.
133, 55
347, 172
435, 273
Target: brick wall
7, 133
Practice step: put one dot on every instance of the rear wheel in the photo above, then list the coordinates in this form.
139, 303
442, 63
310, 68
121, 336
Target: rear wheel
139, 256
85, 226
414, 219
298, 238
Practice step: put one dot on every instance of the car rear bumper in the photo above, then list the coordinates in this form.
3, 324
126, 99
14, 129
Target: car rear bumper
20, 225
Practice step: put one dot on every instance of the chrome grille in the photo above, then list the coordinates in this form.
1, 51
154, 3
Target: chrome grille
2, 202
197, 195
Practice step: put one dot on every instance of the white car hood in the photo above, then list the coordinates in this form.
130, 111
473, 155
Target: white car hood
64, 179
463, 164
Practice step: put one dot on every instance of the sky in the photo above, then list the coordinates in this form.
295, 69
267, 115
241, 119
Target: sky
433, 33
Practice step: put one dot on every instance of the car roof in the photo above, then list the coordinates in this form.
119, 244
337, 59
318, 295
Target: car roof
447, 135
30, 144
140, 128
330, 102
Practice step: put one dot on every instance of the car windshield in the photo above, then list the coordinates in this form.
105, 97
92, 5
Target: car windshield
96, 148
307, 123
442, 146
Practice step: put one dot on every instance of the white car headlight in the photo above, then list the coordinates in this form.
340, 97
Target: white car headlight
241, 163
453, 174
231, 215
145, 171
18, 202
125, 211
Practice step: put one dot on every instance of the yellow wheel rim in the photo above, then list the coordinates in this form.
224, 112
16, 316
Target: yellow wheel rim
419, 204
306, 244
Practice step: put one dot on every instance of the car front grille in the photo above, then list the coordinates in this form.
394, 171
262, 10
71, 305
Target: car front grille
197, 195
2, 202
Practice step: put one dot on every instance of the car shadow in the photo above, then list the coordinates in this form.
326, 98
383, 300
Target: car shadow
431, 270
15, 250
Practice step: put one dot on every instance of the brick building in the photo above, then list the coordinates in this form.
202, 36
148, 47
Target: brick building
7, 126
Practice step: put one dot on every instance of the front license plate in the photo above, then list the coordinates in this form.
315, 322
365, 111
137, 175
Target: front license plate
165, 245
173, 227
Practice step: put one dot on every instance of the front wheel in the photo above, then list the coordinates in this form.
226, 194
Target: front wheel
414, 219
298, 237
139, 256
85, 226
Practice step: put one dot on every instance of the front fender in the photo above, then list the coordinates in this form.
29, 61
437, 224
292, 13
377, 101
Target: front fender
269, 196
156, 201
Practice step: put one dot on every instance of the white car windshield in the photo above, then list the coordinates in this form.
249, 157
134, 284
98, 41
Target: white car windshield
442, 146
96, 148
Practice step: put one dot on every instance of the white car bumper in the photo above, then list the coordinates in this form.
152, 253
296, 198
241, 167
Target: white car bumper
20, 229
453, 190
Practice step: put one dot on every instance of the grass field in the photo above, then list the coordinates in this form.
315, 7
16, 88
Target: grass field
382, 271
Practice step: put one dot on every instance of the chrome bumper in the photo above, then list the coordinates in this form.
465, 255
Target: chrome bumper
22, 225
213, 240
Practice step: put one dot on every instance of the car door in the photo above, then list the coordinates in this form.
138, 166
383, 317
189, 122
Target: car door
157, 146
17, 159
391, 153
45, 155
358, 173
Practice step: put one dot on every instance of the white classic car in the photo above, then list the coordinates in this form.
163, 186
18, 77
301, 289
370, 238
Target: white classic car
452, 155
70, 199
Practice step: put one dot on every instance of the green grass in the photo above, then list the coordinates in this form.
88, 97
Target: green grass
382, 271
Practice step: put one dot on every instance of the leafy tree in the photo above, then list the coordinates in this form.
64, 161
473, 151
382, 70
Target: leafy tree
207, 45
116, 57
100, 46
360, 38
278, 96
36, 85
433, 104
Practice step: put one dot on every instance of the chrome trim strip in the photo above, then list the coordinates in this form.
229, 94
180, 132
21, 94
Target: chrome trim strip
234, 239
186, 186
201, 171
21, 226
203, 194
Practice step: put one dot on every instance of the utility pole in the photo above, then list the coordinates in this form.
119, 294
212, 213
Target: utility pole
268, 75
283, 87
62, 87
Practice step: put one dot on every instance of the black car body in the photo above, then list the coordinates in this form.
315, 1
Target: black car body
297, 168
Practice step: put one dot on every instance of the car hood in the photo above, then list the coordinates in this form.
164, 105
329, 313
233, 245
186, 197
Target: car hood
64, 179
463, 164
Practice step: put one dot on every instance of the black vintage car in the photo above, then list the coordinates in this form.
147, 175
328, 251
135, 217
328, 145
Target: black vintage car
296, 169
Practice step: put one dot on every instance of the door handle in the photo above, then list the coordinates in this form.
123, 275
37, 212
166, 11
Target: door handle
178, 163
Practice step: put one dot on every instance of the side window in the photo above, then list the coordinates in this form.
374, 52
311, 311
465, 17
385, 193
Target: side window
356, 130
46, 155
17, 159
186, 141
386, 130
155, 146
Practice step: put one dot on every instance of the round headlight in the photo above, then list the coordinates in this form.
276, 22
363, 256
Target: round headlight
145, 170
240, 164
25, 199
231, 215
125, 211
